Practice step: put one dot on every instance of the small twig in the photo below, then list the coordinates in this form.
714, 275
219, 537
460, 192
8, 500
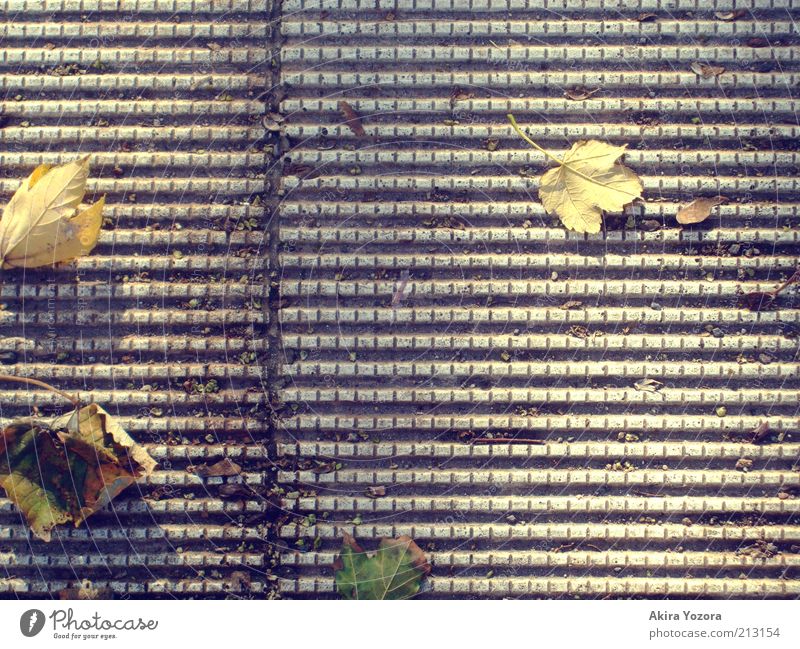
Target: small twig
563, 546
508, 440
401, 287
19, 379
793, 278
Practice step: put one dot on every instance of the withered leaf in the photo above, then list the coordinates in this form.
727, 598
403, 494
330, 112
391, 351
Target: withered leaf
646, 18
375, 492
587, 181
353, 121
85, 590
760, 432
236, 490
757, 300
45, 223
698, 210
707, 71
648, 385
66, 468
729, 16
650, 225
580, 93
223, 468
460, 95
757, 42
273, 122
394, 571
571, 304
761, 300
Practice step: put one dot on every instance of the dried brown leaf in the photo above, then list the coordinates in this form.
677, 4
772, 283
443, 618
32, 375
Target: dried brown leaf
698, 210
375, 492
352, 119
729, 16
707, 71
459, 95
760, 432
648, 385
757, 300
223, 468
580, 93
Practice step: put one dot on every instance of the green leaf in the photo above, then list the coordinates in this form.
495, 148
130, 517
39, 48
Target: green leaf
62, 469
395, 571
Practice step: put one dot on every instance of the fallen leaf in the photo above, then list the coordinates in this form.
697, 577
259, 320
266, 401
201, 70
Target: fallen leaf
84, 591
375, 492
571, 304
225, 467
587, 182
761, 300
646, 18
395, 571
273, 122
43, 224
66, 468
729, 16
353, 121
760, 432
698, 210
459, 95
757, 42
578, 331
707, 71
580, 93
239, 581
648, 385
757, 300
237, 490
650, 225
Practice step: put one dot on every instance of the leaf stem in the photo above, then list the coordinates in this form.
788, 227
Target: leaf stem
524, 136
793, 279
20, 379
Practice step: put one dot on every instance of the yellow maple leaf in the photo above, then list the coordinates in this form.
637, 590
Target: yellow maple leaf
586, 182
43, 224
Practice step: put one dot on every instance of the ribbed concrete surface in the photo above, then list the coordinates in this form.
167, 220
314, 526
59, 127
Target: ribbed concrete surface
508, 325
167, 96
633, 493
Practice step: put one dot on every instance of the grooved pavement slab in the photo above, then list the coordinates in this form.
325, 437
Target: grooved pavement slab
429, 306
336, 310
165, 322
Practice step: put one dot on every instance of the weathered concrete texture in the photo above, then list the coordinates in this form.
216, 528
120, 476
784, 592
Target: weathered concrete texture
165, 323
509, 326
